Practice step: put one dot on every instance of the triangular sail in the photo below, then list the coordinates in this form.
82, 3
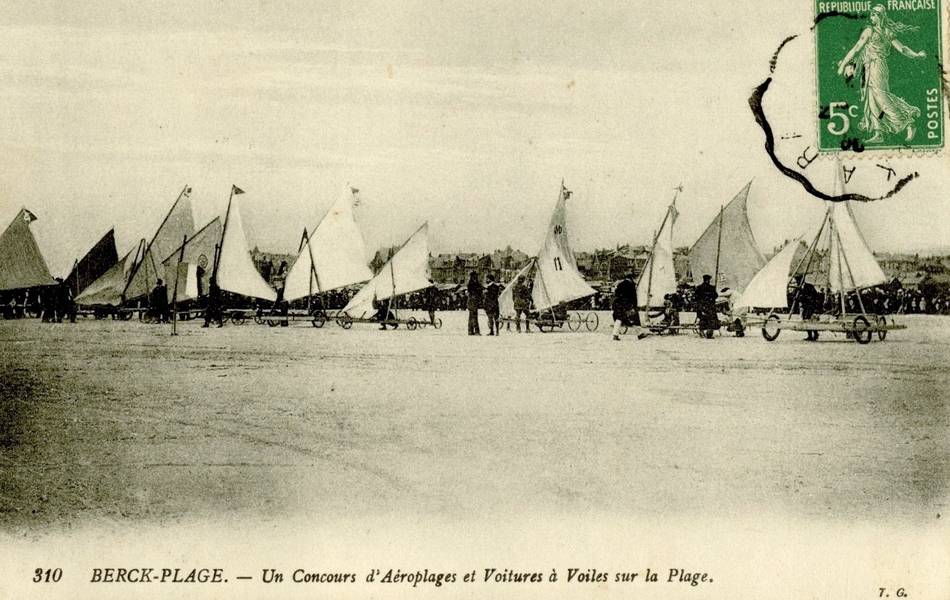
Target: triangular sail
178, 223
558, 279
236, 271
407, 271
506, 300
852, 264
728, 244
337, 251
21, 263
199, 254
94, 264
659, 275
769, 287
107, 290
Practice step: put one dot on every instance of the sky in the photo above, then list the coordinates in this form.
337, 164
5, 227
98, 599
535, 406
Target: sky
466, 115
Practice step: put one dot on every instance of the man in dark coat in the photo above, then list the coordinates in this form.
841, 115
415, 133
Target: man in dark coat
704, 299
624, 306
158, 302
521, 296
474, 301
213, 308
490, 297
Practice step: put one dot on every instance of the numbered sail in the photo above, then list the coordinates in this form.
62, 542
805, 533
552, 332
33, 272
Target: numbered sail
178, 223
194, 272
332, 257
21, 263
659, 276
727, 249
557, 279
107, 289
406, 272
236, 270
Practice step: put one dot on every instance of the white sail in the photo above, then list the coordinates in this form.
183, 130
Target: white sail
198, 253
333, 256
236, 271
107, 290
659, 275
557, 279
728, 244
178, 223
407, 271
506, 300
769, 288
852, 264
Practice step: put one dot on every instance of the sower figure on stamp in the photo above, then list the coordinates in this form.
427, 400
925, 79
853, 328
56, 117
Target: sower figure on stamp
474, 289
884, 112
625, 312
492, 291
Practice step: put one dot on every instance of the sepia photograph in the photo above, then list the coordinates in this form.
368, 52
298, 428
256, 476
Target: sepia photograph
445, 299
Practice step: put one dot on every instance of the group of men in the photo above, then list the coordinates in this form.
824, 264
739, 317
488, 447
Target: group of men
626, 311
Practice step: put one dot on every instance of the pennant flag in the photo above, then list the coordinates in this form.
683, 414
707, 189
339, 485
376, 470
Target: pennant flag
566, 192
236, 190
28, 217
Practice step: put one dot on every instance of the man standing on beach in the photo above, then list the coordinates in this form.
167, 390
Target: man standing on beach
625, 311
474, 289
492, 291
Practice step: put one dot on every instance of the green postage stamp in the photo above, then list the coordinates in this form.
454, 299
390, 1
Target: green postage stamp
879, 75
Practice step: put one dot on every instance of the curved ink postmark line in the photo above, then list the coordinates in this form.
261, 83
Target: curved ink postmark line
755, 103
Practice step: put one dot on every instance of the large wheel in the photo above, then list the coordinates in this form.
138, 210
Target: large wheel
345, 321
411, 324
319, 320
574, 321
771, 329
238, 318
882, 322
437, 323
591, 321
862, 330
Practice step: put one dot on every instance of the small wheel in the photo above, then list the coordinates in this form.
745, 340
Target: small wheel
319, 320
592, 321
771, 329
574, 321
411, 324
882, 322
862, 330
346, 321
238, 318
544, 327
273, 322
259, 318
437, 323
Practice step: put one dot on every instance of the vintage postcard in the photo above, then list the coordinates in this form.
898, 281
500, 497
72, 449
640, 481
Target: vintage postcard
444, 299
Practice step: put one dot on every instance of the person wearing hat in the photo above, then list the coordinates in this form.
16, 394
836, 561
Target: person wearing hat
705, 300
521, 296
490, 295
474, 289
625, 312
158, 302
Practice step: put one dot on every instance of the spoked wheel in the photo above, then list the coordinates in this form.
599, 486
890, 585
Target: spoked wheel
319, 319
862, 330
273, 322
574, 321
412, 323
771, 329
345, 321
591, 321
259, 318
437, 323
238, 318
882, 322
